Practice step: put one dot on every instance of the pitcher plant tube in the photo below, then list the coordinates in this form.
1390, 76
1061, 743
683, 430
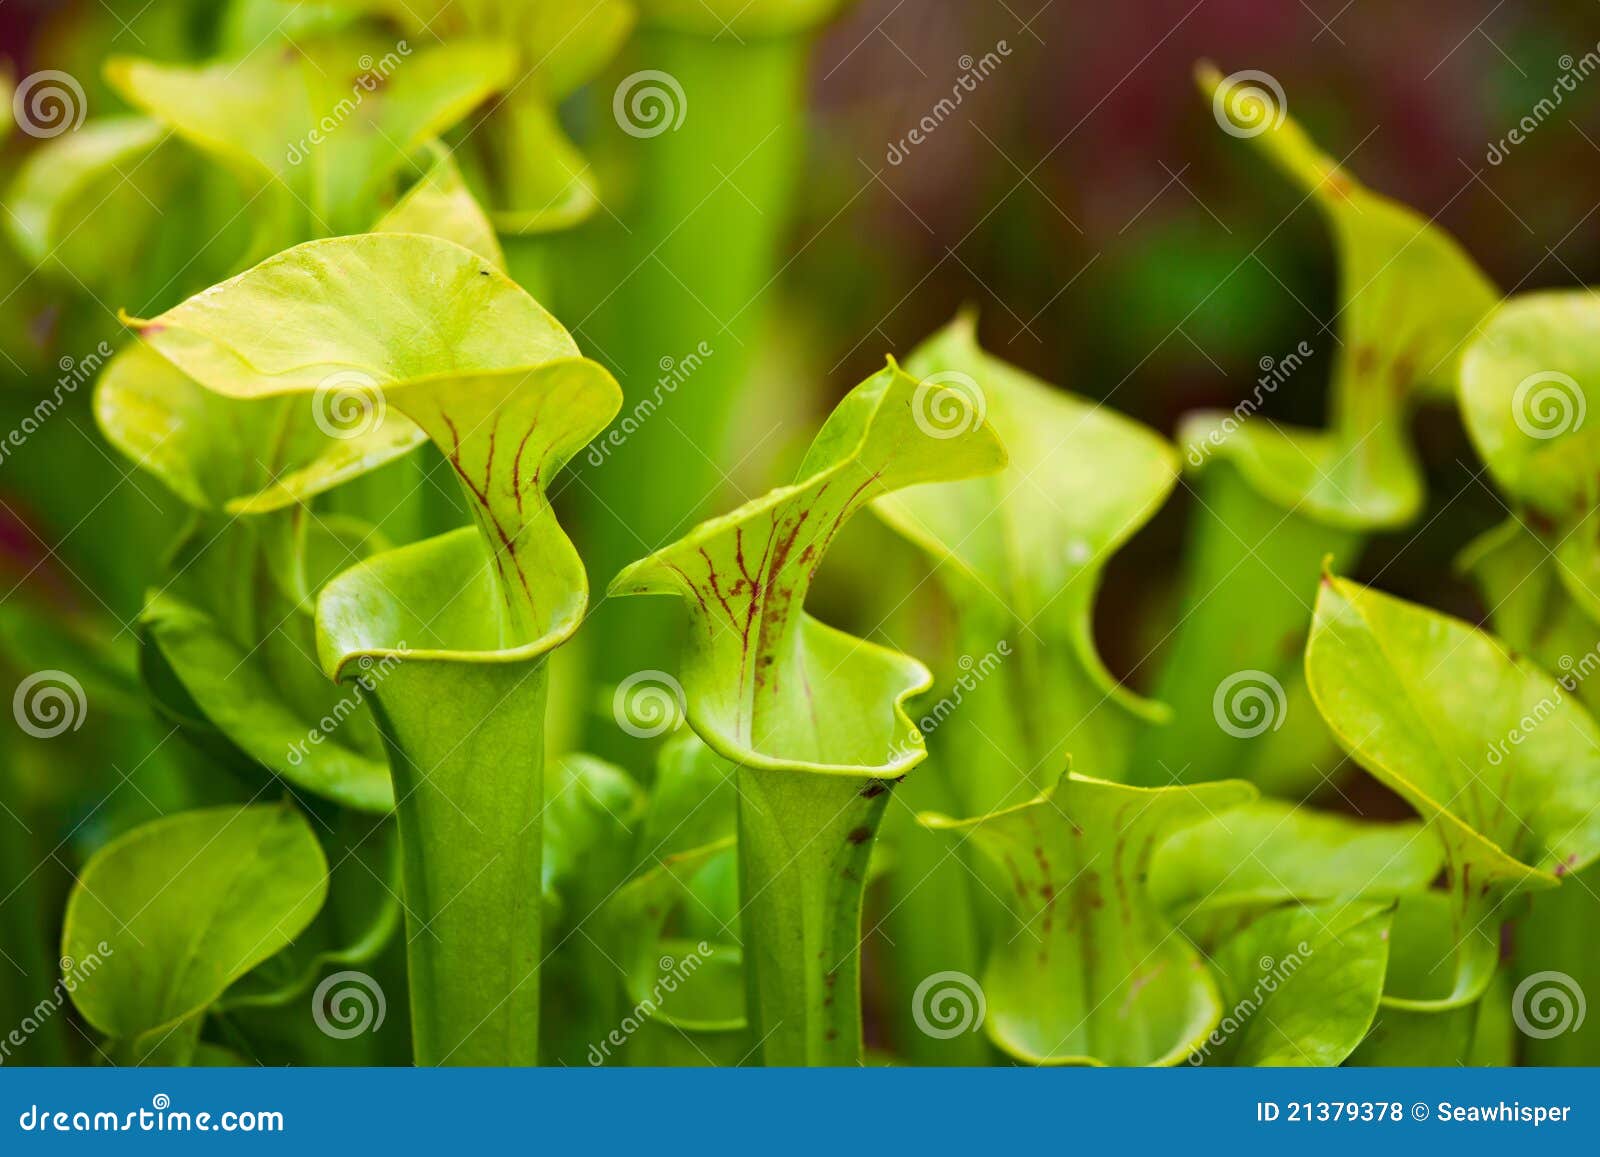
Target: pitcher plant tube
814, 718
439, 335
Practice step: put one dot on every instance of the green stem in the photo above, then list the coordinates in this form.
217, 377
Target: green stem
804, 842
1557, 935
1250, 577
933, 917
470, 800
1024, 700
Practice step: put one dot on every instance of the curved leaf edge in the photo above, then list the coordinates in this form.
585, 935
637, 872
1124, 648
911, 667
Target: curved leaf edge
1525, 876
937, 821
916, 677
964, 327
143, 831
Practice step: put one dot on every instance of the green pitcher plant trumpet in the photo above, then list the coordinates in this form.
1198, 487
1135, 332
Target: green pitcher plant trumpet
439, 334
814, 719
233, 626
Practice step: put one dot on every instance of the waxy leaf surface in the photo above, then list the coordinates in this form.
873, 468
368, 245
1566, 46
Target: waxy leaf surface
234, 622
1091, 971
251, 454
177, 910
422, 326
1534, 610
1493, 753
807, 712
1271, 851
710, 997
767, 685
540, 180
234, 625
47, 200
1530, 396
1302, 985
322, 127
435, 332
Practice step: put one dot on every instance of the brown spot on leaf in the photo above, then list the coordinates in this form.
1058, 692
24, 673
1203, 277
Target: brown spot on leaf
1404, 371
1364, 360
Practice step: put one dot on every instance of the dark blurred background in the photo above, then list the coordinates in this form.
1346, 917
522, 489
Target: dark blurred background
1117, 243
